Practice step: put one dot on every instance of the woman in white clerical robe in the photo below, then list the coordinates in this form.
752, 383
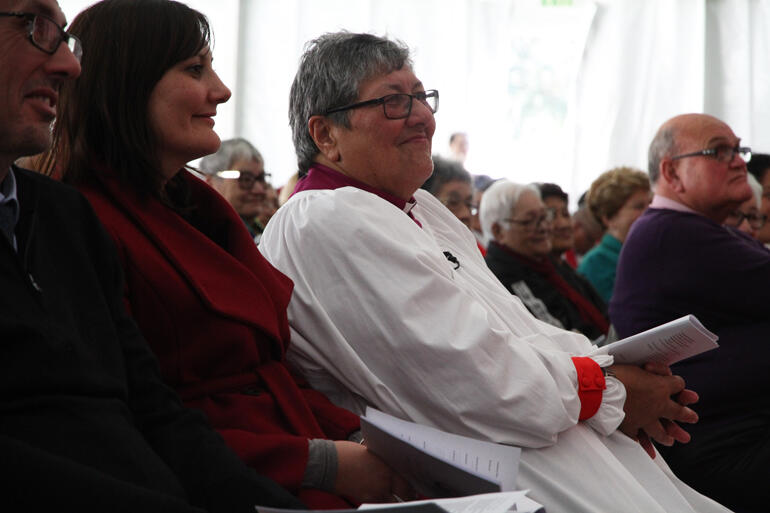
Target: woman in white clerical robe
394, 307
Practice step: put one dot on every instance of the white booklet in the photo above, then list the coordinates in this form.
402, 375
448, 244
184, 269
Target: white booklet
501, 502
667, 344
485, 503
440, 464
396, 507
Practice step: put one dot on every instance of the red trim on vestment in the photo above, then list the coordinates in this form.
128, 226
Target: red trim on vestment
591, 385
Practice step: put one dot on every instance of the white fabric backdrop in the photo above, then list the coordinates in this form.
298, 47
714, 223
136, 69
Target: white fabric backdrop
545, 93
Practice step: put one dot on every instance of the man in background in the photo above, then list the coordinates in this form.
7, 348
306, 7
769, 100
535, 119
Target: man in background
679, 259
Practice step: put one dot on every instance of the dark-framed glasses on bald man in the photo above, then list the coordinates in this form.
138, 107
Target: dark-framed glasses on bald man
45, 34
723, 153
396, 106
246, 180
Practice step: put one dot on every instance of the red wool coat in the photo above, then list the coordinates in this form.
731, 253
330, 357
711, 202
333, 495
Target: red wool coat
215, 316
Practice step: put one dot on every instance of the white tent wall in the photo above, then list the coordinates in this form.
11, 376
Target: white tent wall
644, 64
648, 61
546, 93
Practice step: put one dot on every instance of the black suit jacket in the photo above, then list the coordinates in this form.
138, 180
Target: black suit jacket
85, 420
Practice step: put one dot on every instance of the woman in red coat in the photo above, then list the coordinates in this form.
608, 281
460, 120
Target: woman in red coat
213, 310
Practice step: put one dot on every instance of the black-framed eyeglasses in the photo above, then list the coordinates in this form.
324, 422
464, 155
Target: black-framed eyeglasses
723, 153
46, 35
736, 217
246, 180
533, 223
396, 106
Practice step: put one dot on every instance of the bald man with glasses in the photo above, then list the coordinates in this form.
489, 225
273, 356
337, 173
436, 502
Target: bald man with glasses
679, 259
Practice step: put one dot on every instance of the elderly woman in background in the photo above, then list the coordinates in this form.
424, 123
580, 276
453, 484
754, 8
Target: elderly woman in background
394, 307
237, 172
747, 217
451, 184
617, 198
520, 254
210, 306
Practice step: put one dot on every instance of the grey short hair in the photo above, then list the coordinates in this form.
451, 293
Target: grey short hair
498, 202
662, 145
445, 171
231, 151
330, 75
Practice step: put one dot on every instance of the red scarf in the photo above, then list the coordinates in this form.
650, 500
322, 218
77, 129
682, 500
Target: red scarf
587, 310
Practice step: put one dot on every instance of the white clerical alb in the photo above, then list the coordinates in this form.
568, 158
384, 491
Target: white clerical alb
381, 317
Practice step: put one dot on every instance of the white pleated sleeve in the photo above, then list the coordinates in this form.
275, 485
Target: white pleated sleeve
380, 316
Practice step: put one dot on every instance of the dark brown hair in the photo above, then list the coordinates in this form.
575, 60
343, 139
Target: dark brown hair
103, 118
552, 190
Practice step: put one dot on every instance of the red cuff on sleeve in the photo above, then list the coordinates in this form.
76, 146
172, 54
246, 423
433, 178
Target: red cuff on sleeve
591, 385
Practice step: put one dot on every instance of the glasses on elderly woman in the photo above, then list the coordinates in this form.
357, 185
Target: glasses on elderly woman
396, 106
736, 217
46, 35
245, 179
533, 223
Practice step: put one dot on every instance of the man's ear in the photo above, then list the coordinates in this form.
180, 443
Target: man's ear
670, 175
322, 131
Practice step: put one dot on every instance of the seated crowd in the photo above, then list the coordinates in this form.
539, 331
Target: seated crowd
162, 361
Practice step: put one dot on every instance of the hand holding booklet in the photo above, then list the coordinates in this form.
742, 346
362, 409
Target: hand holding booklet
666, 344
440, 464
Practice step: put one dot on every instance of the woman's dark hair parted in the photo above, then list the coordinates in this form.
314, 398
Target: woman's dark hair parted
104, 115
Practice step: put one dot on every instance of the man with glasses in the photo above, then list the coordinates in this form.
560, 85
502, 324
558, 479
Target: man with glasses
679, 259
86, 423
33, 64
394, 307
